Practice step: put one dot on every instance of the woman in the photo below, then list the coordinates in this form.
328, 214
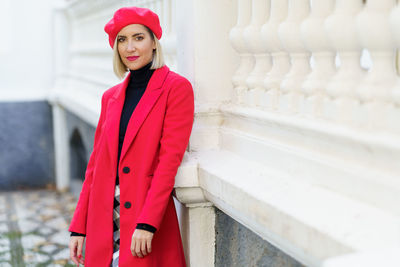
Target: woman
125, 209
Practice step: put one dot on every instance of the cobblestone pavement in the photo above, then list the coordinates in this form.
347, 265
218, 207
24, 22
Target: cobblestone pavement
34, 228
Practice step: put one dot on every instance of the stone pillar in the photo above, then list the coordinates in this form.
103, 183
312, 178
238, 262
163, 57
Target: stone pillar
197, 216
61, 147
60, 130
206, 58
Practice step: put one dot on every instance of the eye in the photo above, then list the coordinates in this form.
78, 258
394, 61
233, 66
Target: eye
121, 39
139, 38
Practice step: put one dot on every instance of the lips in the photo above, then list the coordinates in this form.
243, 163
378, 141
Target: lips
132, 58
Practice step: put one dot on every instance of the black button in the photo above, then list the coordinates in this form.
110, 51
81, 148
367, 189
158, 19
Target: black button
127, 204
126, 170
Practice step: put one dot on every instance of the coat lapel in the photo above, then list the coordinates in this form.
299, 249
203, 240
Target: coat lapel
153, 91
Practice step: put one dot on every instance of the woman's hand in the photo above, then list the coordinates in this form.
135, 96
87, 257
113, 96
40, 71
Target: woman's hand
141, 243
75, 249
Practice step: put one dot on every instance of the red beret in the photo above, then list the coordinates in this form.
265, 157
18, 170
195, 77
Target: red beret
132, 15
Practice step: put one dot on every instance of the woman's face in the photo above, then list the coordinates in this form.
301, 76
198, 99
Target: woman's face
135, 46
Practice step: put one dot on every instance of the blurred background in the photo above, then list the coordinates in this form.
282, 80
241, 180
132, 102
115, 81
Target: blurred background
294, 157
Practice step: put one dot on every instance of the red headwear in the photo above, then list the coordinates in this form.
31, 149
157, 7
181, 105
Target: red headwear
132, 15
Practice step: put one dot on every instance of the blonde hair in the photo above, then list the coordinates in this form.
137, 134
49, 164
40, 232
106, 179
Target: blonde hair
119, 67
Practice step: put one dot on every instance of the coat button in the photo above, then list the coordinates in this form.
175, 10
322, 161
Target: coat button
126, 170
127, 204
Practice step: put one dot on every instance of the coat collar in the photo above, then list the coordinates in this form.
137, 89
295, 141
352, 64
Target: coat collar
115, 104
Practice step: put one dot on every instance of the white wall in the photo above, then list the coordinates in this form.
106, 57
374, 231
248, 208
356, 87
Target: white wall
25, 49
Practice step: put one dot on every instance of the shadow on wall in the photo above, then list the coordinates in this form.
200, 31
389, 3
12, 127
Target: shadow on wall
78, 160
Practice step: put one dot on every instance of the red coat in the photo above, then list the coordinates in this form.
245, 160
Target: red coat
155, 141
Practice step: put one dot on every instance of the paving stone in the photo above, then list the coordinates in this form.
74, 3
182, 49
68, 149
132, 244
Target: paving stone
62, 254
61, 237
3, 240
44, 230
27, 226
3, 227
13, 218
62, 263
5, 256
31, 241
50, 248
32, 257
29, 257
58, 223
4, 247
49, 212
40, 220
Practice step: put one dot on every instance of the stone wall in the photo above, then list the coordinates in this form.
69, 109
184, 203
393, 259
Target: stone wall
236, 245
26, 142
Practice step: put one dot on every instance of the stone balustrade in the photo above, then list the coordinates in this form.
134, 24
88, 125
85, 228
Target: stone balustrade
323, 43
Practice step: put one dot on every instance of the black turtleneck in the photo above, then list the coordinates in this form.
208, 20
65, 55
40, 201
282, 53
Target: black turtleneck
137, 85
134, 91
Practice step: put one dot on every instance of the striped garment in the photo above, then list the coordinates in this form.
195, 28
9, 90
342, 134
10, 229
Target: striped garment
115, 258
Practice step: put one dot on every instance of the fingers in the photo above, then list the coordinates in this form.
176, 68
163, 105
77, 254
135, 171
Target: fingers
148, 245
79, 252
137, 249
73, 244
141, 243
143, 246
75, 250
133, 247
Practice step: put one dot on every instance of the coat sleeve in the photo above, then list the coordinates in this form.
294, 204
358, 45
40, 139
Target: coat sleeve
78, 222
177, 127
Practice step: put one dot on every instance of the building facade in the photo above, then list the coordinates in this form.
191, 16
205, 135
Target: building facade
294, 157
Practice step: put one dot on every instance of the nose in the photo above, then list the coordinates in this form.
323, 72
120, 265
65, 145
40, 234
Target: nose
131, 46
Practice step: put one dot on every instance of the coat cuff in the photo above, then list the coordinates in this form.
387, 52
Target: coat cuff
77, 234
147, 227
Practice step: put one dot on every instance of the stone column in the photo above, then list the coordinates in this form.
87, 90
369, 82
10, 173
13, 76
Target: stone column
61, 147
197, 216
60, 130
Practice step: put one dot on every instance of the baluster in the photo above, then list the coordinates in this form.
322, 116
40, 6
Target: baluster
252, 37
316, 41
341, 29
289, 33
280, 58
246, 59
374, 90
394, 115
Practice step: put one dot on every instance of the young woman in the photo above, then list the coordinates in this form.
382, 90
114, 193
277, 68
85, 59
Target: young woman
125, 209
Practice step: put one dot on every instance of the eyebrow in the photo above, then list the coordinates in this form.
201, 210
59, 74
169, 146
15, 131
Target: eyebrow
139, 33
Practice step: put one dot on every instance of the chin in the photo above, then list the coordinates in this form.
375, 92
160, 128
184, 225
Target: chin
133, 66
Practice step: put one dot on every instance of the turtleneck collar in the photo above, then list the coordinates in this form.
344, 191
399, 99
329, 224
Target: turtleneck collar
141, 76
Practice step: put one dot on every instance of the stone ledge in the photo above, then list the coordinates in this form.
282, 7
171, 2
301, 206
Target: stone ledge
305, 221
83, 104
388, 257
359, 164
